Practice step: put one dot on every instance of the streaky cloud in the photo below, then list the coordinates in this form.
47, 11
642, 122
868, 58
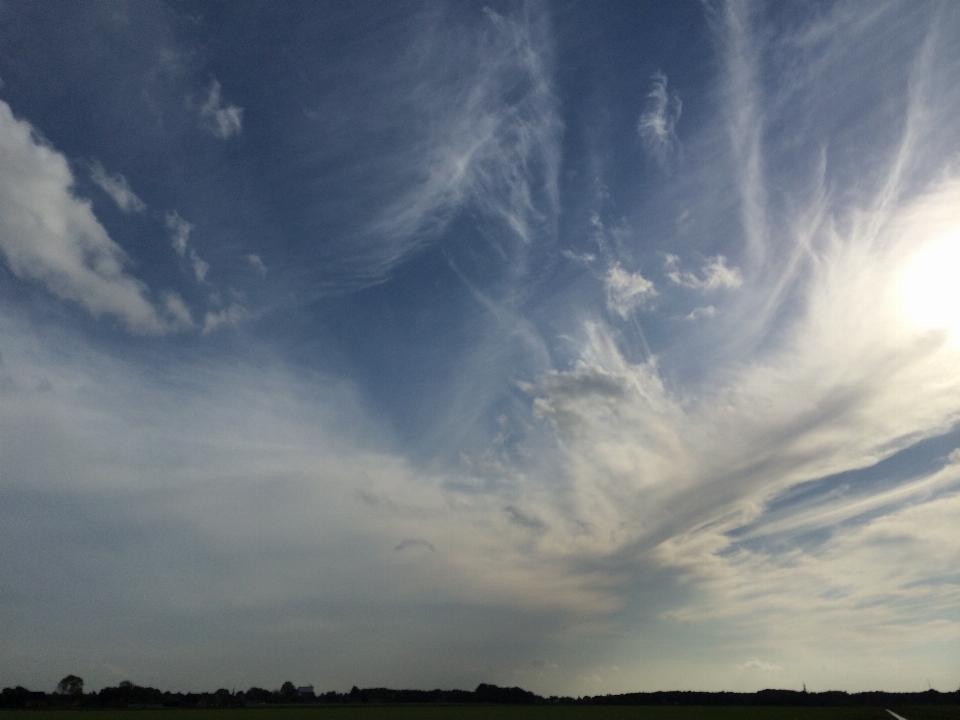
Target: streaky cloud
657, 125
117, 187
492, 140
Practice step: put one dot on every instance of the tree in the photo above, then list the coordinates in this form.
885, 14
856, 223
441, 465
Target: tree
70, 685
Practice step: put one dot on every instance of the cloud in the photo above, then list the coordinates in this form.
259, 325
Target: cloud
181, 233
257, 263
679, 469
657, 124
745, 121
523, 519
204, 493
177, 309
200, 267
485, 140
180, 241
702, 312
760, 665
223, 122
882, 583
670, 494
49, 235
413, 543
117, 187
232, 315
714, 275
627, 291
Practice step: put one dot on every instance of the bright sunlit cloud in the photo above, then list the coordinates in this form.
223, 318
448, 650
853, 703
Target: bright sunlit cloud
930, 287
448, 354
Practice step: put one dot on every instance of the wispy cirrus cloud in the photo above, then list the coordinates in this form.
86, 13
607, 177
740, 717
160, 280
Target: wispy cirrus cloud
491, 136
691, 495
657, 125
744, 120
117, 187
673, 473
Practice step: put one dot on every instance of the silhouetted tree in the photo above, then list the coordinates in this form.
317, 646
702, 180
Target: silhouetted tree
70, 685
14, 697
258, 695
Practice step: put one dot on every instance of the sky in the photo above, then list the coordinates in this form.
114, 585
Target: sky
585, 347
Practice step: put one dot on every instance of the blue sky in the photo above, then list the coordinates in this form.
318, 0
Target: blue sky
584, 347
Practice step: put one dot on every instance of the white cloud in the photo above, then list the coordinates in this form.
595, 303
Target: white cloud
200, 267
702, 312
714, 275
180, 240
883, 583
117, 187
223, 122
760, 665
657, 124
257, 263
49, 235
238, 489
232, 315
670, 474
627, 291
177, 309
487, 139
196, 492
181, 232
745, 123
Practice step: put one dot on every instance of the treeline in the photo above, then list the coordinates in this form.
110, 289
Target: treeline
129, 695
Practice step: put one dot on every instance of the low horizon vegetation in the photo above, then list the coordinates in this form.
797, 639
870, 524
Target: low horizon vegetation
769, 703
503, 712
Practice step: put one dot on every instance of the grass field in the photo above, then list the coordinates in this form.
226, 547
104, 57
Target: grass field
495, 712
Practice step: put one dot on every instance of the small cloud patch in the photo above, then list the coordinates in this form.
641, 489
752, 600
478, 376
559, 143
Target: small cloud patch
657, 124
181, 230
413, 544
257, 263
232, 315
223, 122
714, 275
626, 290
117, 187
702, 312
759, 665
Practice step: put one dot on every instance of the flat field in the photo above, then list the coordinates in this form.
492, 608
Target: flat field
496, 712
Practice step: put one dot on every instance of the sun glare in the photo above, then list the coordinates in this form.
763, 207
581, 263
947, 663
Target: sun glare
930, 288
